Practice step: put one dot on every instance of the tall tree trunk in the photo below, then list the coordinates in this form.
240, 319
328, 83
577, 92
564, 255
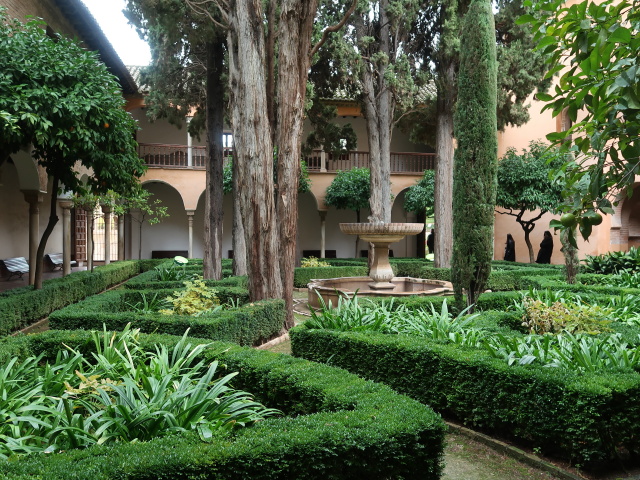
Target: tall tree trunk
254, 147
213, 209
53, 219
294, 39
443, 203
239, 245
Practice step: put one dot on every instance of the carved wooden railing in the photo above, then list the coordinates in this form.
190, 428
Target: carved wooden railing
183, 156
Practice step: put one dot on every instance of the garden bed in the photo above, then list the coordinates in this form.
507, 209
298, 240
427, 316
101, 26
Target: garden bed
251, 324
335, 426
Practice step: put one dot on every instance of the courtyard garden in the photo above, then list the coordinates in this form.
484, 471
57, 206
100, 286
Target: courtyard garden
156, 378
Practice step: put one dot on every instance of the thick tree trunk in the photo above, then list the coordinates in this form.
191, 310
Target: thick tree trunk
239, 245
254, 147
443, 197
213, 211
379, 110
294, 39
53, 219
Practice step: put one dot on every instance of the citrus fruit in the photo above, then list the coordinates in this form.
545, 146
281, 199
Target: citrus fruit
568, 220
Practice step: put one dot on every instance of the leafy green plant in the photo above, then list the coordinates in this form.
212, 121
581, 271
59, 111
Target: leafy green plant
613, 262
313, 262
147, 304
170, 273
195, 299
120, 393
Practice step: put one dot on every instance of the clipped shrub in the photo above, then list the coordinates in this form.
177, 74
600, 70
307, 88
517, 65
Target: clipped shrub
303, 276
251, 324
588, 418
336, 426
24, 306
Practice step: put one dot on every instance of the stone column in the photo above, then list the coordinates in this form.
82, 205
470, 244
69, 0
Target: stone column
190, 214
121, 237
66, 206
34, 199
90, 221
323, 224
106, 209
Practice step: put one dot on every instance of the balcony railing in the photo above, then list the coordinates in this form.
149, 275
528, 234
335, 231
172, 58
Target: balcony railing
401, 162
183, 156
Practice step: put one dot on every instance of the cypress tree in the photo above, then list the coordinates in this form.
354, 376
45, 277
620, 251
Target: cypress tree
475, 160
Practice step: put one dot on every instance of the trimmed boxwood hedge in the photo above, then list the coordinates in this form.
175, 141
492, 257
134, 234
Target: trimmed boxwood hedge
336, 426
249, 325
303, 276
582, 417
24, 306
148, 279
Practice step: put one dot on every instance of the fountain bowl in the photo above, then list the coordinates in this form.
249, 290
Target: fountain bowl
331, 289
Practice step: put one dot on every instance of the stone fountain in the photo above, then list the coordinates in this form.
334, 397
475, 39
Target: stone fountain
380, 281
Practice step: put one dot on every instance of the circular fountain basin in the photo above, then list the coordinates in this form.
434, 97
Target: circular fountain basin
331, 289
381, 232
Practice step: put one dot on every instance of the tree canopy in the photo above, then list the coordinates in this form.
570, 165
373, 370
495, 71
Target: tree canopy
419, 197
350, 190
524, 185
58, 99
61, 99
593, 46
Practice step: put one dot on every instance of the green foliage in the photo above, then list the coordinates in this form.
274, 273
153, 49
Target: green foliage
350, 190
302, 276
595, 54
350, 428
541, 318
313, 262
475, 161
524, 183
252, 324
61, 99
195, 299
419, 197
613, 262
21, 307
150, 303
560, 410
122, 394
170, 273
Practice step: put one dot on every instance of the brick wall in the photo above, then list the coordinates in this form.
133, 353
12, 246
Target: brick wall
45, 9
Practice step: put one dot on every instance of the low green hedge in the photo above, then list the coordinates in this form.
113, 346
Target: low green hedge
589, 287
249, 325
25, 305
336, 426
585, 418
303, 276
148, 280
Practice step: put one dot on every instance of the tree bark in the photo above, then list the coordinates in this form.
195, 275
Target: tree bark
239, 245
294, 43
254, 147
443, 196
213, 210
53, 219
571, 260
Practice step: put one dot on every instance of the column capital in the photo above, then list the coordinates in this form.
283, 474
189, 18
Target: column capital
106, 208
33, 196
191, 213
65, 204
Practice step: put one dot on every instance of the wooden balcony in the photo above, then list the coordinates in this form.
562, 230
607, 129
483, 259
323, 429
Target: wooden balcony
181, 156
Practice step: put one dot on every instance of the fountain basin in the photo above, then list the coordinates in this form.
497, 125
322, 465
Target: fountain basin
381, 235
330, 289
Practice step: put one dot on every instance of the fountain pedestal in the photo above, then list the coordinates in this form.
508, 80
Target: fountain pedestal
381, 235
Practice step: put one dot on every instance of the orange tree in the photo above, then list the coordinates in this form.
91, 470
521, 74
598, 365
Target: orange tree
58, 99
